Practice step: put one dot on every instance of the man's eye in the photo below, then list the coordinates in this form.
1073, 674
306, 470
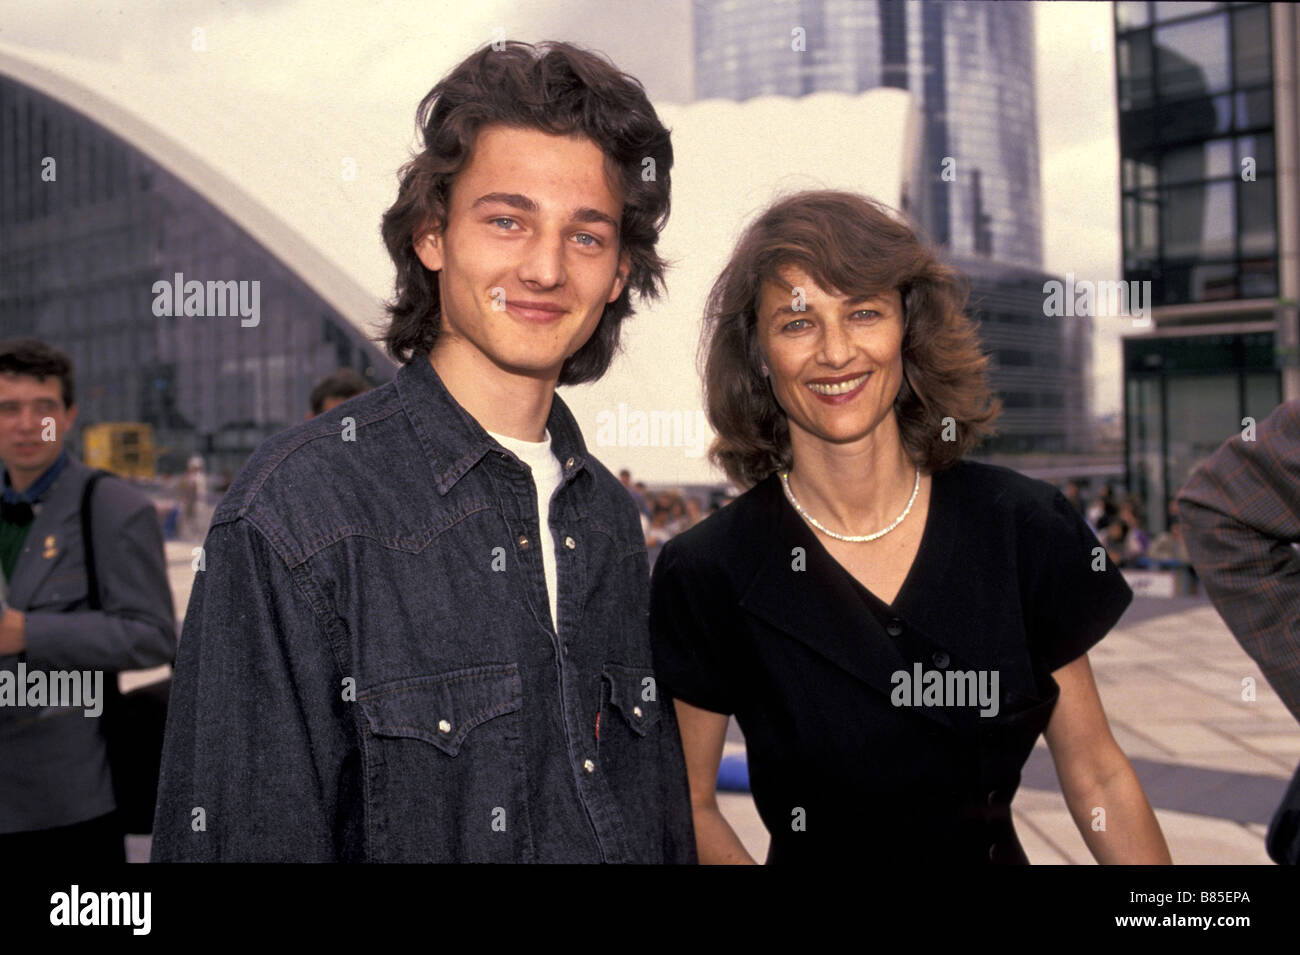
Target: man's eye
789, 326
506, 219
587, 235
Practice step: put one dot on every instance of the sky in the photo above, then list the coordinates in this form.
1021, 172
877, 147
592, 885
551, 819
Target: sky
326, 59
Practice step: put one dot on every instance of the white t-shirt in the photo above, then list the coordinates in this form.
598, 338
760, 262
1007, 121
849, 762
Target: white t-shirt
547, 475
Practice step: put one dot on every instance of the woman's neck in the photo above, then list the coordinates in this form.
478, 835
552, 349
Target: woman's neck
853, 488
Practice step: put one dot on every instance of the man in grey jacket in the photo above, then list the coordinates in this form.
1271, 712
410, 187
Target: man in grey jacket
56, 654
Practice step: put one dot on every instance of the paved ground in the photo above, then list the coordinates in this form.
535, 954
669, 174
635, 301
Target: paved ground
1170, 676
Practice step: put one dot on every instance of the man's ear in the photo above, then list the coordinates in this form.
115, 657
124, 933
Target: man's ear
428, 248
620, 277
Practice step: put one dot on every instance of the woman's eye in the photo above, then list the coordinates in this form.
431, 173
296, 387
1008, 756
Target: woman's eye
790, 326
866, 313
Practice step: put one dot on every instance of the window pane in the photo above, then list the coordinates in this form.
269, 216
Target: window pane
1258, 222
1216, 282
1134, 66
1259, 278
1201, 415
1199, 221
1263, 393
1129, 14
1207, 160
1194, 119
1255, 109
1192, 58
1148, 229
1259, 148
1179, 8
1250, 45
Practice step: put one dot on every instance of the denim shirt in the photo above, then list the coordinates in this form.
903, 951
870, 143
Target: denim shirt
368, 670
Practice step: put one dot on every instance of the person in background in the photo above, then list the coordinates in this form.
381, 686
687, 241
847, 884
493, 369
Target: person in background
1074, 496
1241, 509
56, 789
638, 494
334, 389
1241, 513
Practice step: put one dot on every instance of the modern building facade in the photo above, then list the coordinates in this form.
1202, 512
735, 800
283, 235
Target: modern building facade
970, 67
1207, 104
92, 221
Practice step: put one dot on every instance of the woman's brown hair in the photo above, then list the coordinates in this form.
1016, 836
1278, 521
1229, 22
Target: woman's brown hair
854, 246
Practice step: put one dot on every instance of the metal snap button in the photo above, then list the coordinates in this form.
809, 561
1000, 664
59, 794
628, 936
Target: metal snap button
569, 463
589, 766
636, 711
444, 726
570, 543
523, 542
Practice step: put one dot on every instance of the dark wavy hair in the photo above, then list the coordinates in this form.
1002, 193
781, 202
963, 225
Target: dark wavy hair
31, 356
854, 245
556, 88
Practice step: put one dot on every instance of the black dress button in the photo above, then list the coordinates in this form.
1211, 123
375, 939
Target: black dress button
895, 627
941, 660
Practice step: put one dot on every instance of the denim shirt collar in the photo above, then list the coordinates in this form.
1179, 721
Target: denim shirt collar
454, 441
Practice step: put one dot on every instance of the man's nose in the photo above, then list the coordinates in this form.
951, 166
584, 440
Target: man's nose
543, 262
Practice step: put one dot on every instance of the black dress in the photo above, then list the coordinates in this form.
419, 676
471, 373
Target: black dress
750, 615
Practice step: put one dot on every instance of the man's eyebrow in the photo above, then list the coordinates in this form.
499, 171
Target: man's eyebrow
524, 204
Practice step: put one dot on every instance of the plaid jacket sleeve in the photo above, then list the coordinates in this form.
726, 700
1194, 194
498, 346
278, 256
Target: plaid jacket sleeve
1241, 509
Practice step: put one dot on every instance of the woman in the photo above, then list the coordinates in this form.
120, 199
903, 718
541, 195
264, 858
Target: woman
892, 627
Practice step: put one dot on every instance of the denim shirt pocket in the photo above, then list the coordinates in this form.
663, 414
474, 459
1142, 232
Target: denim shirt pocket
446, 747
628, 690
630, 754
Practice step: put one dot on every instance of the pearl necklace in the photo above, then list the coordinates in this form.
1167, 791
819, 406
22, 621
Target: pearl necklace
850, 538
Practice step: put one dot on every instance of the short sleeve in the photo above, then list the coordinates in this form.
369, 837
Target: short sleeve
1075, 593
685, 634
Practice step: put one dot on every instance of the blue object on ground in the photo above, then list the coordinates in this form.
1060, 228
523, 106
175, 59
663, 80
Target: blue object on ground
171, 522
733, 774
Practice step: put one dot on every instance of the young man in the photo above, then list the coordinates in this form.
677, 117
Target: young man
420, 629
56, 793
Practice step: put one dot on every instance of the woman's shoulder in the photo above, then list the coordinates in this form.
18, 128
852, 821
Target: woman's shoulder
730, 535
1002, 493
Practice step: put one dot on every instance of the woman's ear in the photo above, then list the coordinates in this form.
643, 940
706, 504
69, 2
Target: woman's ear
428, 248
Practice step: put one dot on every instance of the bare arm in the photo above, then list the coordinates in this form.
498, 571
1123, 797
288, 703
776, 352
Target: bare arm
1095, 774
703, 735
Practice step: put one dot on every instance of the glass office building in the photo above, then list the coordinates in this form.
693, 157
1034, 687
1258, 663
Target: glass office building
971, 68
1199, 99
89, 223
